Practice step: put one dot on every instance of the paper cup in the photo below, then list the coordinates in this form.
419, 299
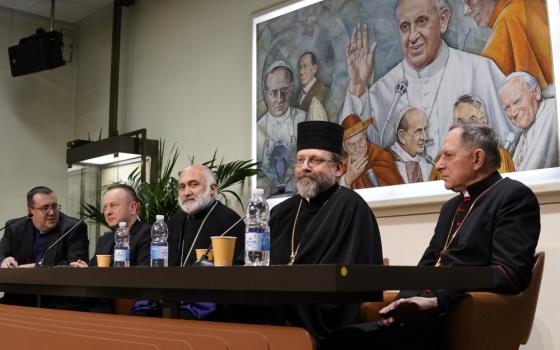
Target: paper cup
223, 247
201, 251
103, 260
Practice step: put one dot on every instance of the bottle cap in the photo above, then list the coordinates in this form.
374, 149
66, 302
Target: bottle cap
122, 224
160, 217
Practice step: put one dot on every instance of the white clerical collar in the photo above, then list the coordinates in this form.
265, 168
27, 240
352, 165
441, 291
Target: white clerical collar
405, 156
308, 86
430, 70
279, 120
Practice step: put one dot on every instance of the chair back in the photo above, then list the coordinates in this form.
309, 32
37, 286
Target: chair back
530, 296
486, 320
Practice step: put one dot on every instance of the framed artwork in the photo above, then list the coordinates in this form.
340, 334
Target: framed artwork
396, 75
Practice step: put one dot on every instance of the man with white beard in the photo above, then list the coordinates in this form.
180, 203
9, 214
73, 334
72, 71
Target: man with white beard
323, 224
201, 216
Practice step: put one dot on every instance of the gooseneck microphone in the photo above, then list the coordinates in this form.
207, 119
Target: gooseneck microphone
40, 263
203, 261
429, 159
28, 216
400, 90
372, 177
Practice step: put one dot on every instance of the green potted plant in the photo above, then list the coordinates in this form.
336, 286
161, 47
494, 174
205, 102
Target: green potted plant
229, 174
160, 195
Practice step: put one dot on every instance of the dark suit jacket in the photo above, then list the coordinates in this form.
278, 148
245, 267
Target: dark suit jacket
18, 242
140, 240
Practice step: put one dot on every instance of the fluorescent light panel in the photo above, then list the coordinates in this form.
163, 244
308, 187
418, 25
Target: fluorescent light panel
110, 158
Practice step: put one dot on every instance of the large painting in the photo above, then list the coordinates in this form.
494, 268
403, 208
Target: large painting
396, 75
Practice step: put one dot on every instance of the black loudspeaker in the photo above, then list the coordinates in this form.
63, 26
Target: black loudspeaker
38, 52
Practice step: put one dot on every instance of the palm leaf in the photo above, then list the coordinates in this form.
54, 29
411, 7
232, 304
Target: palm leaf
160, 195
94, 213
157, 197
229, 174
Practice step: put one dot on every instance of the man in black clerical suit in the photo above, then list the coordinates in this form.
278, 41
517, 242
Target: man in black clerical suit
493, 221
29, 241
201, 217
323, 224
121, 204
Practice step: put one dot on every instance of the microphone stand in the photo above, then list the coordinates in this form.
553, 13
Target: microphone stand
400, 90
203, 261
40, 263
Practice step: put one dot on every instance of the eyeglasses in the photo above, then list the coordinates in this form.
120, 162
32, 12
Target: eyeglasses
312, 161
276, 93
45, 209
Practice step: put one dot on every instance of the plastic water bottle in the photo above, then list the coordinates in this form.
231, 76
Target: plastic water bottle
257, 234
122, 238
159, 251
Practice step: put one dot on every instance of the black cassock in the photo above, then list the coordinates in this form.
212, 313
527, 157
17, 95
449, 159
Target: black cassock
184, 227
501, 231
336, 227
498, 226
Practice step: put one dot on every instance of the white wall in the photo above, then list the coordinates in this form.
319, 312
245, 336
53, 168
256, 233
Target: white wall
36, 121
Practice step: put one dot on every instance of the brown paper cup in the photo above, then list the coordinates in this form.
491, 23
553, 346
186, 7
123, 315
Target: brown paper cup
103, 260
223, 247
201, 251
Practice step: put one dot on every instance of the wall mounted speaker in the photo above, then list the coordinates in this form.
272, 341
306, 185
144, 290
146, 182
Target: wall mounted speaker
38, 52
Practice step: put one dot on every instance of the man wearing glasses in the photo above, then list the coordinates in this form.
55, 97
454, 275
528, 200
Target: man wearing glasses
276, 129
33, 239
323, 224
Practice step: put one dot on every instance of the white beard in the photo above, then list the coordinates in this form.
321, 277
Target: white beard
196, 204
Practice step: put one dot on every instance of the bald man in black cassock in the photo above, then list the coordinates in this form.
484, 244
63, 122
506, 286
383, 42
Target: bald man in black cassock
323, 224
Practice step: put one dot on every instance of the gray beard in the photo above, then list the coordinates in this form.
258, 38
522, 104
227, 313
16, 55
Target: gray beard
307, 187
310, 185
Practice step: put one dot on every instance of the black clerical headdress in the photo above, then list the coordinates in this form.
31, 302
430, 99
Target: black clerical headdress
320, 135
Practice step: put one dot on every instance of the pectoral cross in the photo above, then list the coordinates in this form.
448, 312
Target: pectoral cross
292, 258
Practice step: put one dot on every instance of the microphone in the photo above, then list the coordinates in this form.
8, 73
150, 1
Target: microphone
203, 261
429, 159
400, 89
28, 216
40, 263
372, 178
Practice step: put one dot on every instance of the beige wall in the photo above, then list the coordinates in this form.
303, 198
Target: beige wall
185, 76
36, 118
